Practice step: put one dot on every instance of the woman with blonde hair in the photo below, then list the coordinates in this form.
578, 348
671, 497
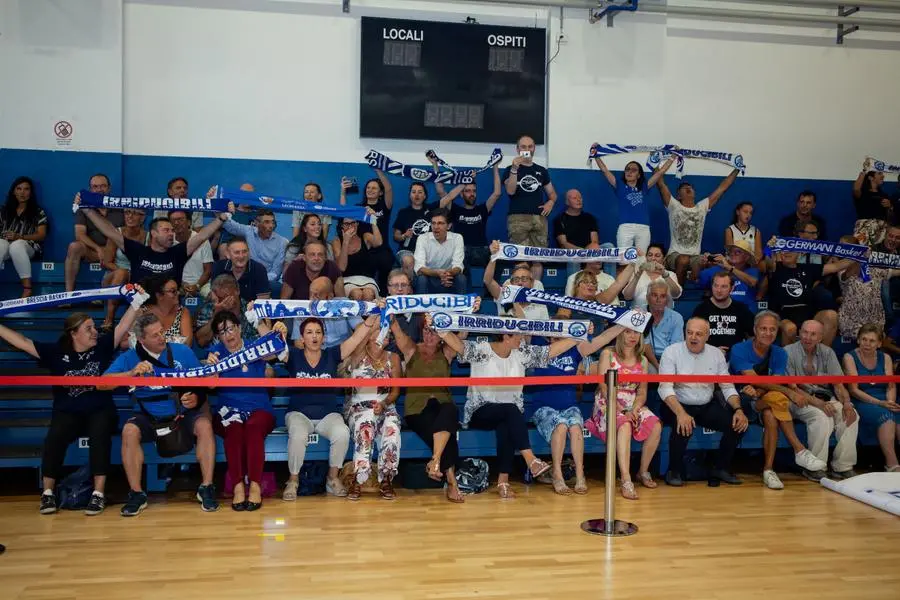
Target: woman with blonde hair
633, 418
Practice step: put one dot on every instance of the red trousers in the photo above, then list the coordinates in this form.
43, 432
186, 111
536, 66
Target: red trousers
245, 445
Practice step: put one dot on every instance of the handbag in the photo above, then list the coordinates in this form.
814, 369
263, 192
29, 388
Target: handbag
172, 439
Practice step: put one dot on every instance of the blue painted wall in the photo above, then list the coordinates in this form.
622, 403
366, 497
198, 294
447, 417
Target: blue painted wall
60, 174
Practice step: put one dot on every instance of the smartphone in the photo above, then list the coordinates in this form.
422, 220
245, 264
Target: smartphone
354, 186
525, 154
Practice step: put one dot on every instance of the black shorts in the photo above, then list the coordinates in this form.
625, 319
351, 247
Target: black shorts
148, 431
797, 314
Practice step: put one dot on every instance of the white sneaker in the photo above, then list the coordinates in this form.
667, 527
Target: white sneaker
807, 460
334, 487
771, 481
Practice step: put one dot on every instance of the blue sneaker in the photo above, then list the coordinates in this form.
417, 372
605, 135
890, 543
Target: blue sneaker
137, 502
206, 496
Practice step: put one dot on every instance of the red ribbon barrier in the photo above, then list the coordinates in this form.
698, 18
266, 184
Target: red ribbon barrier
290, 382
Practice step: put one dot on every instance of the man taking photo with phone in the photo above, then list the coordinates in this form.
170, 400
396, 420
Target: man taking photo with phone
526, 184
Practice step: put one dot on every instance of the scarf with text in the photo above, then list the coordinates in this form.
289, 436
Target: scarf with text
286, 204
873, 164
423, 303
626, 317
377, 160
855, 252
660, 154
268, 345
515, 252
127, 292
336, 308
443, 321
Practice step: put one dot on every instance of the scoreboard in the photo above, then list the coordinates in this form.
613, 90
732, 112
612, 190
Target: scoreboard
451, 81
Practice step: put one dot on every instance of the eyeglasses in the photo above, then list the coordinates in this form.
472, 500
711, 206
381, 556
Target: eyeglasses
522, 279
226, 329
171, 291
398, 286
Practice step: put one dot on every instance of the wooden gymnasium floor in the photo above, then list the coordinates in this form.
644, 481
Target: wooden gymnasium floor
694, 542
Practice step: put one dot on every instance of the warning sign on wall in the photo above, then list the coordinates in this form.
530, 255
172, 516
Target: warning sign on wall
65, 133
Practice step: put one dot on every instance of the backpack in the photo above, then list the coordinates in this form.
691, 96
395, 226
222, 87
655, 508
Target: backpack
74, 492
472, 476
312, 478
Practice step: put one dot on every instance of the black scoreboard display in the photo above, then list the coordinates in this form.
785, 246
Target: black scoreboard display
451, 81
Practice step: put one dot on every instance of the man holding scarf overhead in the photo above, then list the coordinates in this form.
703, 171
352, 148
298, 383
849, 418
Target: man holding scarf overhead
526, 182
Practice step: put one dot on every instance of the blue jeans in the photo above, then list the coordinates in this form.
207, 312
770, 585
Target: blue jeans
432, 285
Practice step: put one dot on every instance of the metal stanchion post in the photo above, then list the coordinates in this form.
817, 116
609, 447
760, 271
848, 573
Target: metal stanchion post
609, 526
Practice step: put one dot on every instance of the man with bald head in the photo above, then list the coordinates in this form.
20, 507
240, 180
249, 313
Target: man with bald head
689, 405
829, 409
574, 228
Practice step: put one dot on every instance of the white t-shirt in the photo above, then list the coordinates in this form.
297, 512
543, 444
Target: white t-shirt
686, 226
485, 363
193, 268
748, 236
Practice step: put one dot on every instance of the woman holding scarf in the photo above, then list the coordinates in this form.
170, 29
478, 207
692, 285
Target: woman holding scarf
243, 415
379, 197
874, 209
78, 410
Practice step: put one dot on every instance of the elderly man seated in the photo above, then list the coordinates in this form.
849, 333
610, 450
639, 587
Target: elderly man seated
692, 404
666, 326
769, 403
829, 409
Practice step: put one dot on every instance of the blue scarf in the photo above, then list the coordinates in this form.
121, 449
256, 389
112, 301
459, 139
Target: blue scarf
660, 154
884, 260
855, 252
423, 303
626, 317
270, 344
94, 200
336, 308
873, 164
286, 204
515, 252
377, 160
443, 321
47, 300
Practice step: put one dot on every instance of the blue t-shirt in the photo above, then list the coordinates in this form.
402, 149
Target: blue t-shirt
558, 397
156, 398
244, 399
315, 403
632, 204
741, 292
744, 358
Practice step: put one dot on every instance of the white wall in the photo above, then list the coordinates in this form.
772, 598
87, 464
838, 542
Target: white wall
281, 80
61, 61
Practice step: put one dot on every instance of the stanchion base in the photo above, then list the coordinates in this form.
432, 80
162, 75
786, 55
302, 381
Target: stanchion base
619, 528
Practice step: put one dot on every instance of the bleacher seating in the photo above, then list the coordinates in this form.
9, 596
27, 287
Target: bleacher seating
25, 411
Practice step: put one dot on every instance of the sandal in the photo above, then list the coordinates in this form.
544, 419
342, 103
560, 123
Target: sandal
647, 480
580, 487
893, 469
290, 491
541, 466
454, 495
433, 470
628, 491
505, 492
560, 487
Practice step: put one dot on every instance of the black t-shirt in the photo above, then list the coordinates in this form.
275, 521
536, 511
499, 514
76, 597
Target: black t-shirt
384, 216
868, 206
94, 362
470, 223
409, 216
787, 225
253, 282
791, 288
529, 190
146, 262
577, 229
727, 326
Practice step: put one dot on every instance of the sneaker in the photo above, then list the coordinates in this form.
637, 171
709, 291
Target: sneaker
815, 476
334, 487
674, 479
842, 475
807, 460
725, 477
355, 490
48, 504
206, 496
136, 502
96, 505
771, 480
